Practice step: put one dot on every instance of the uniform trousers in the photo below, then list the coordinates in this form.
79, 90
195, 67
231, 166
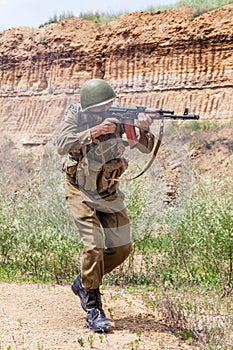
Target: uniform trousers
104, 228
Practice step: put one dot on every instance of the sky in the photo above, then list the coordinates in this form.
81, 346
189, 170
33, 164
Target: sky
32, 13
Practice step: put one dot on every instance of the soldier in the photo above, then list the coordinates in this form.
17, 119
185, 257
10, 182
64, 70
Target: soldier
94, 161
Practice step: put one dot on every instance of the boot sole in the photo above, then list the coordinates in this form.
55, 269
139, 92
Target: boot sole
98, 329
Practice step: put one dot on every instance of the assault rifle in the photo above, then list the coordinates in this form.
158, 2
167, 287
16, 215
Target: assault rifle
127, 116
122, 113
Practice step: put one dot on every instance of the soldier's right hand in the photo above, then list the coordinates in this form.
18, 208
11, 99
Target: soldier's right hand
108, 126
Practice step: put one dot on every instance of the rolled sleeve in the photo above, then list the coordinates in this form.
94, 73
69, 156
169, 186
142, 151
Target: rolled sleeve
71, 142
70, 138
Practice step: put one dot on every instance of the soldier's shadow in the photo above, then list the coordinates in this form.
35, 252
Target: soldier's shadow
138, 323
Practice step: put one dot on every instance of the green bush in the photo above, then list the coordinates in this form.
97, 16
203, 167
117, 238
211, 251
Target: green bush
197, 249
202, 243
39, 240
57, 18
199, 7
183, 265
211, 4
34, 244
100, 17
201, 125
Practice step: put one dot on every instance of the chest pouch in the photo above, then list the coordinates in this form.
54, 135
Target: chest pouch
109, 173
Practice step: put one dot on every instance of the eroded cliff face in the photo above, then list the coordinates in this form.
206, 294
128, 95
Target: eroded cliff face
169, 60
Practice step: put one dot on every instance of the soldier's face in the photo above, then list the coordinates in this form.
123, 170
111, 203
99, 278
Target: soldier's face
102, 108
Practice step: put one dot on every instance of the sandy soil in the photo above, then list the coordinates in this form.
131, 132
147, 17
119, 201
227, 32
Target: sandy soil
50, 317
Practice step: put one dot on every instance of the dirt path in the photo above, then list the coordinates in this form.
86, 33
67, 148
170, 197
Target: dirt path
49, 317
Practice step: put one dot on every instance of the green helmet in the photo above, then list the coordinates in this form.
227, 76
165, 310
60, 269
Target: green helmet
95, 92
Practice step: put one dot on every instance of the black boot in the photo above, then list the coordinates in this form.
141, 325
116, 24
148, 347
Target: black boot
78, 289
96, 319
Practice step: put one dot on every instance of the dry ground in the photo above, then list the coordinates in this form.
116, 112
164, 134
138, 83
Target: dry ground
49, 317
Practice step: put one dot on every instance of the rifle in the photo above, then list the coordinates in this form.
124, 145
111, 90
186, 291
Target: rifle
122, 113
128, 115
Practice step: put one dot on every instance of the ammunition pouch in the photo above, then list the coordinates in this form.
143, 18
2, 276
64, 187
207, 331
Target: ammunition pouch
70, 166
93, 176
109, 174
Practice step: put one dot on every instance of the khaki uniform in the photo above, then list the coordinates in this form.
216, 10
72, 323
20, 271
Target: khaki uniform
92, 167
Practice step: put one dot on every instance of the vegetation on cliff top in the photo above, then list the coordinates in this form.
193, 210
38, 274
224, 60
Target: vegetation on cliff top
199, 7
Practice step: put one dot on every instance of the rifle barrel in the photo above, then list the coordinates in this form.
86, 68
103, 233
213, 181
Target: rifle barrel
184, 116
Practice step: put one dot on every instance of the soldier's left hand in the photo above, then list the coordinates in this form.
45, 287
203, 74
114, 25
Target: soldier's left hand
144, 121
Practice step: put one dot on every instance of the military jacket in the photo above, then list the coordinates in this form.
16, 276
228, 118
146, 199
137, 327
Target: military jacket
94, 165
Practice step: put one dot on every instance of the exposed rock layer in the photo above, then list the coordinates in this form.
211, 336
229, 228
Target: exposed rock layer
169, 60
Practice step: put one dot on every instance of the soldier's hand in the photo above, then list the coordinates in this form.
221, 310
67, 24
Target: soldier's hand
144, 121
108, 126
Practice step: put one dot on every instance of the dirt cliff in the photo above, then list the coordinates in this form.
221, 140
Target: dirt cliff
169, 60
164, 59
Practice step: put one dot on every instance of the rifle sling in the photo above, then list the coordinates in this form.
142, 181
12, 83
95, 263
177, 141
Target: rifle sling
154, 154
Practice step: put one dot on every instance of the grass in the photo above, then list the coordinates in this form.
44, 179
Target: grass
33, 238
196, 317
183, 267
39, 241
193, 251
100, 17
199, 7
57, 18
201, 125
